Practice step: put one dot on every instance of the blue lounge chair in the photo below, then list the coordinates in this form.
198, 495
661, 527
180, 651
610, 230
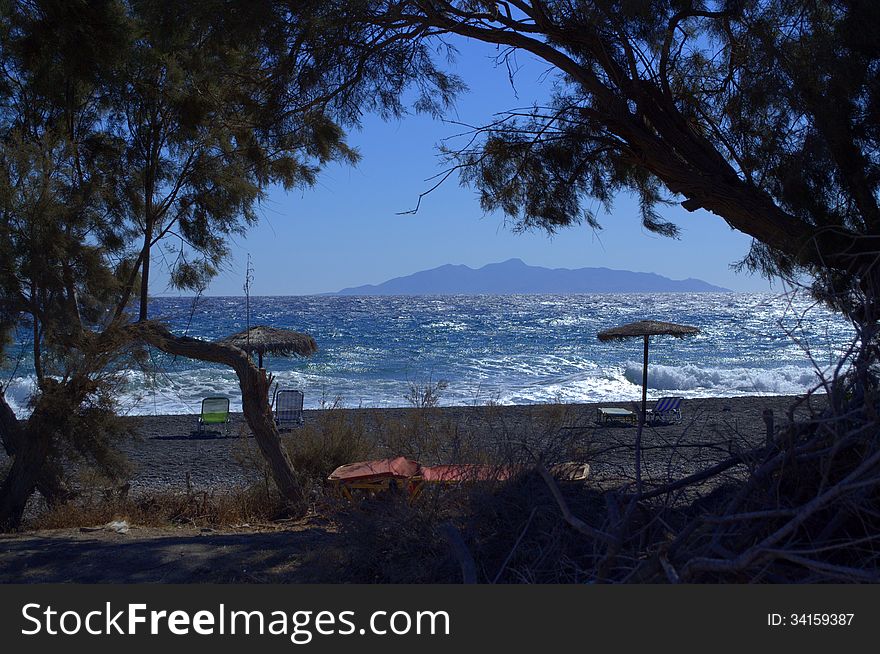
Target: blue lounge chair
288, 407
215, 411
666, 409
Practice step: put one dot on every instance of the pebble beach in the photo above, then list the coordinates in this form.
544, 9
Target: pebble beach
169, 454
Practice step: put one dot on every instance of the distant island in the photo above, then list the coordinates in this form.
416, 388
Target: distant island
516, 277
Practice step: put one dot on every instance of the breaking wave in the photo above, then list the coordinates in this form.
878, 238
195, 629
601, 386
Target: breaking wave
720, 382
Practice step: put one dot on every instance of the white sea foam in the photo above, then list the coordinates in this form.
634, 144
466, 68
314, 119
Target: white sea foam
446, 325
182, 392
695, 379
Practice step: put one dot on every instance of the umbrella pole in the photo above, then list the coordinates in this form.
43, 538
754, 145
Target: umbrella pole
642, 420
645, 382
260, 355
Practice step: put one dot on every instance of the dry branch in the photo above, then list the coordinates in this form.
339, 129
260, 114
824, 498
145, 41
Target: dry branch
462, 553
569, 517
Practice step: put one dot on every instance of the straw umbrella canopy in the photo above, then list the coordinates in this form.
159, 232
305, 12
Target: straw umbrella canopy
646, 329
272, 340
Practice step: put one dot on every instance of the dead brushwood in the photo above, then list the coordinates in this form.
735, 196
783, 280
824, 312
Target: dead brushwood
248, 505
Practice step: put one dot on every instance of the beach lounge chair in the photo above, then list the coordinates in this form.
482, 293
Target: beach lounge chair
215, 411
666, 409
288, 407
604, 414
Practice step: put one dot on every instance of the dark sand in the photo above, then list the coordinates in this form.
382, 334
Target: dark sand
167, 450
168, 455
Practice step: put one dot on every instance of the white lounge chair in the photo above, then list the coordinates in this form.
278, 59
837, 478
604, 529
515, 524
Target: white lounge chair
604, 414
288, 407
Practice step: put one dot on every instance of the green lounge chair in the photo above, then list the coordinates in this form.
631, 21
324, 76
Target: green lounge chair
215, 411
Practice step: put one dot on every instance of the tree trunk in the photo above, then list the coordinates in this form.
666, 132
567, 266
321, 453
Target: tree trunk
30, 470
22, 476
29, 445
145, 278
254, 395
10, 429
21, 481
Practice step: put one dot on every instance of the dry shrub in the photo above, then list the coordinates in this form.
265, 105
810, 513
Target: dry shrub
512, 529
425, 395
517, 536
388, 539
806, 512
205, 509
428, 435
338, 437
801, 508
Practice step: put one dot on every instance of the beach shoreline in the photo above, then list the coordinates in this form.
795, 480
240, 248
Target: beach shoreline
168, 453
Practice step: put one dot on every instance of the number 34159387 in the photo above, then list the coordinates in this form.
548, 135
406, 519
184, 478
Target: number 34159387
810, 619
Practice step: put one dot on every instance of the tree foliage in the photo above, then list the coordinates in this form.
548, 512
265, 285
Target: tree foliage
205, 126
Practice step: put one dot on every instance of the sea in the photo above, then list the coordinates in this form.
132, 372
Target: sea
476, 350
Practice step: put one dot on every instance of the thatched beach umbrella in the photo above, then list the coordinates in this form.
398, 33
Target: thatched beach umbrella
272, 340
646, 329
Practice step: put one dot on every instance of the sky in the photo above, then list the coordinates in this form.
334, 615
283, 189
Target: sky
347, 231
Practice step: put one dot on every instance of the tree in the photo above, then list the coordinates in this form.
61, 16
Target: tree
57, 243
206, 128
762, 113
123, 124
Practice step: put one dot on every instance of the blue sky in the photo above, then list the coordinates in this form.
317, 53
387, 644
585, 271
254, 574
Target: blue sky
346, 232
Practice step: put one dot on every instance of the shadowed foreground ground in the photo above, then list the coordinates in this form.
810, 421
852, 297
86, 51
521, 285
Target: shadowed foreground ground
161, 556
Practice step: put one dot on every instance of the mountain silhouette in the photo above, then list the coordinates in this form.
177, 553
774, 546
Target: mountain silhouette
516, 277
